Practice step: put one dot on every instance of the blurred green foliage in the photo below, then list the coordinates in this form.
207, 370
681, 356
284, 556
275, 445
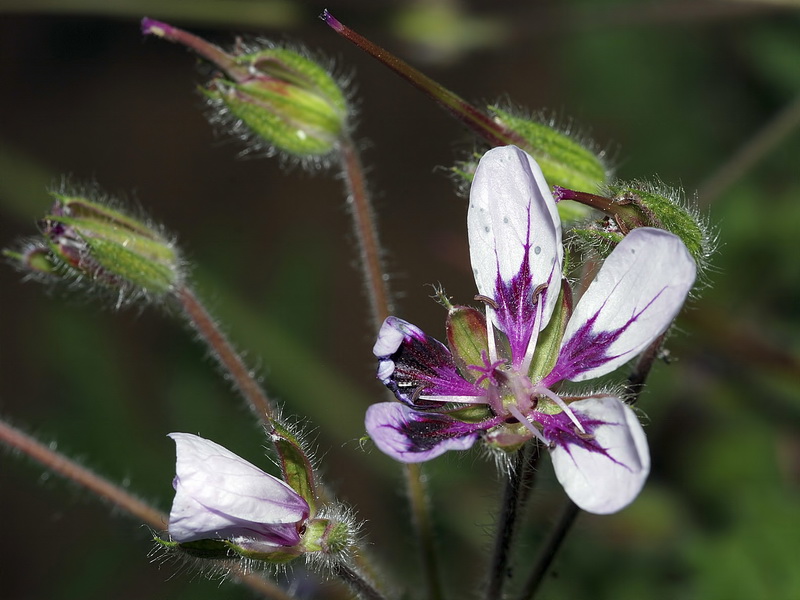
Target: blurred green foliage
671, 93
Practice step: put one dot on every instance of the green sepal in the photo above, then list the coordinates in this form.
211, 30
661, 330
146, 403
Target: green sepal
226, 550
563, 160
645, 205
286, 100
326, 535
210, 549
284, 555
508, 437
114, 255
291, 119
471, 414
84, 209
289, 66
548, 345
296, 466
34, 259
467, 338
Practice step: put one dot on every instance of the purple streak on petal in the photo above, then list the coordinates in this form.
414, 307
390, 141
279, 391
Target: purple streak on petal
516, 309
515, 242
411, 363
413, 436
587, 350
560, 431
605, 473
633, 299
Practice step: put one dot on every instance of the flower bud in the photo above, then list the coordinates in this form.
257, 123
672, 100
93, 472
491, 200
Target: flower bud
94, 245
278, 99
231, 505
564, 160
640, 204
295, 464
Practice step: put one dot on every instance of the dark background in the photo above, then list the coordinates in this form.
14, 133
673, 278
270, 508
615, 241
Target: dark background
673, 90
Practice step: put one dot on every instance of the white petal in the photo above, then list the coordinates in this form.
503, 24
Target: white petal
513, 218
637, 293
216, 489
604, 483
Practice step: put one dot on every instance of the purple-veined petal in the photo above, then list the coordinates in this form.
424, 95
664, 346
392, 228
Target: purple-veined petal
220, 495
635, 296
605, 473
411, 364
414, 436
515, 242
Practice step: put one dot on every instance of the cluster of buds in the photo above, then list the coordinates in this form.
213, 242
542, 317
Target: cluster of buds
92, 245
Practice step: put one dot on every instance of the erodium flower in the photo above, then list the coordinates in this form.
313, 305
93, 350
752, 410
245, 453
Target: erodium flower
221, 496
500, 377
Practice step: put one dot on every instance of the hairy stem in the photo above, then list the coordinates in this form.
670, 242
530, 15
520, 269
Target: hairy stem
380, 307
498, 570
222, 350
116, 496
751, 152
423, 524
357, 582
366, 232
549, 549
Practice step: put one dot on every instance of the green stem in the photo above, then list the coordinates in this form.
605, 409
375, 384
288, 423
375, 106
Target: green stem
380, 306
116, 496
366, 232
423, 524
222, 350
764, 141
549, 549
510, 504
357, 582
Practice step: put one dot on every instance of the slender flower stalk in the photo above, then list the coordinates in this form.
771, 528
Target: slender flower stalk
478, 121
549, 548
498, 572
358, 583
366, 232
116, 496
222, 350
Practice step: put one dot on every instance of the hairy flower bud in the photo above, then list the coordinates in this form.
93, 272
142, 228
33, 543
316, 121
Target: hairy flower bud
564, 159
90, 244
640, 204
278, 99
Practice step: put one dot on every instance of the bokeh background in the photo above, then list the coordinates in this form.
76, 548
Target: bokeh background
702, 95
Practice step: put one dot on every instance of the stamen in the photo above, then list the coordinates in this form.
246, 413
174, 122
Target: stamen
458, 399
492, 343
561, 404
528, 425
537, 326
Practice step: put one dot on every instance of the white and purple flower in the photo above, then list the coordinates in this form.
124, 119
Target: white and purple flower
499, 380
221, 496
